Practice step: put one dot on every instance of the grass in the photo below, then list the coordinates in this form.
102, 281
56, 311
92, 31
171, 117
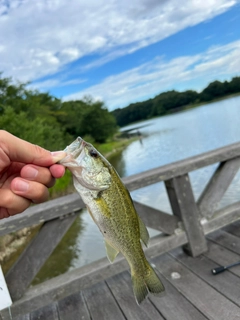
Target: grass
62, 186
108, 148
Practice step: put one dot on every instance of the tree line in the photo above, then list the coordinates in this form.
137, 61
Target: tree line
47, 121
172, 101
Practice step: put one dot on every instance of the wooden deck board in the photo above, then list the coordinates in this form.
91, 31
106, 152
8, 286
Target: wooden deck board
24, 317
48, 312
223, 257
101, 303
121, 287
72, 306
202, 267
205, 298
197, 294
233, 228
173, 305
226, 240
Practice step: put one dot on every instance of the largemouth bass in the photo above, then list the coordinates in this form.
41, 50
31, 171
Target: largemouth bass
111, 207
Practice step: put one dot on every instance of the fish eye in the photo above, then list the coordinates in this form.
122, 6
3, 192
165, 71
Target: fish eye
93, 153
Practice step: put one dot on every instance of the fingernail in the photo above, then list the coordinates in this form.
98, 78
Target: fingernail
58, 155
31, 173
21, 185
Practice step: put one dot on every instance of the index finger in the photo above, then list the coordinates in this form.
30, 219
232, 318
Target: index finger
19, 150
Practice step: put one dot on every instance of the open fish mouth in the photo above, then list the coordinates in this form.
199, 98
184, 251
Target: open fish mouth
75, 147
73, 151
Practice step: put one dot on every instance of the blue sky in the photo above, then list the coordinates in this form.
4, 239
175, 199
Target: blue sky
119, 51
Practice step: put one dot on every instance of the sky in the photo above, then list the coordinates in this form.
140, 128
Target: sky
120, 52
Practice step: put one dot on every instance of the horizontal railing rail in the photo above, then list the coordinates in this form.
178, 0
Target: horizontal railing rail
188, 225
72, 203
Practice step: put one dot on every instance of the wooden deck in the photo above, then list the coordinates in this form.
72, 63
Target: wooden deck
192, 292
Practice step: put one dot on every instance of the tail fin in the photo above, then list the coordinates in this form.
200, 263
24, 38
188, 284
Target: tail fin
147, 283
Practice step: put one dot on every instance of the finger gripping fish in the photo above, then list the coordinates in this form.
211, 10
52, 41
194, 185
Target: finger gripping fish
111, 207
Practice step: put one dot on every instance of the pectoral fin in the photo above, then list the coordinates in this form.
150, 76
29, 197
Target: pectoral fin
111, 251
144, 235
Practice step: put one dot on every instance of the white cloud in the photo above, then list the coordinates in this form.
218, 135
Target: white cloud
50, 83
158, 75
40, 37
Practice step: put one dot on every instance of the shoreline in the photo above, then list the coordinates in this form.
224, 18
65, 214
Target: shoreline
184, 108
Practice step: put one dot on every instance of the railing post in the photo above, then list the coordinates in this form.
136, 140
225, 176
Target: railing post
184, 206
217, 186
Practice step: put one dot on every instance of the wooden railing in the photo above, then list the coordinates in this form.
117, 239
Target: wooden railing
190, 222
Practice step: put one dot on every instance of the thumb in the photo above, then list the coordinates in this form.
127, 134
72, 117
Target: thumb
19, 150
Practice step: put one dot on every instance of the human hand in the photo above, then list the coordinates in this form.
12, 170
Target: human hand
26, 173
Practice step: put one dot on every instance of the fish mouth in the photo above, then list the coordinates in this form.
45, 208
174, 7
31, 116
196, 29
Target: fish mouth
73, 151
75, 146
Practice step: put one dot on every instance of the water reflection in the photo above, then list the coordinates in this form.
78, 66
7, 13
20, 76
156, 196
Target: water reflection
64, 254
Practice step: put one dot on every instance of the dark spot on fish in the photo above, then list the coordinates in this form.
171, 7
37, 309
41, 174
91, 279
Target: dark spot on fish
93, 153
99, 194
105, 231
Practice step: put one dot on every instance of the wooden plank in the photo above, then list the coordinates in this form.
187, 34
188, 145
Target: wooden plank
48, 312
226, 240
173, 305
217, 186
157, 219
234, 228
184, 207
40, 213
32, 259
101, 304
181, 167
227, 284
73, 307
83, 277
121, 288
8, 316
223, 217
222, 256
205, 298
24, 317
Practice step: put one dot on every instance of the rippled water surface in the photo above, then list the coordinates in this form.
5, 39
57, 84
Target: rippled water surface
164, 140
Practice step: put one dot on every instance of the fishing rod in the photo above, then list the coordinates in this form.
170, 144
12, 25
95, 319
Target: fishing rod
220, 269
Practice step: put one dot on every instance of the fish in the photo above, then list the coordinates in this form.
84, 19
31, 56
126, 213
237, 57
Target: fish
111, 207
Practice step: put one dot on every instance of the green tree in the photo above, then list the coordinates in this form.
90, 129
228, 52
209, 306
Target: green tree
36, 131
234, 85
70, 116
215, 89
98, 122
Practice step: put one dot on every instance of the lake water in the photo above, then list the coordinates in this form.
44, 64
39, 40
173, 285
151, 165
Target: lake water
164, 140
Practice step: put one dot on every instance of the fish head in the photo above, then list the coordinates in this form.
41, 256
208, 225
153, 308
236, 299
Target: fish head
89, 168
